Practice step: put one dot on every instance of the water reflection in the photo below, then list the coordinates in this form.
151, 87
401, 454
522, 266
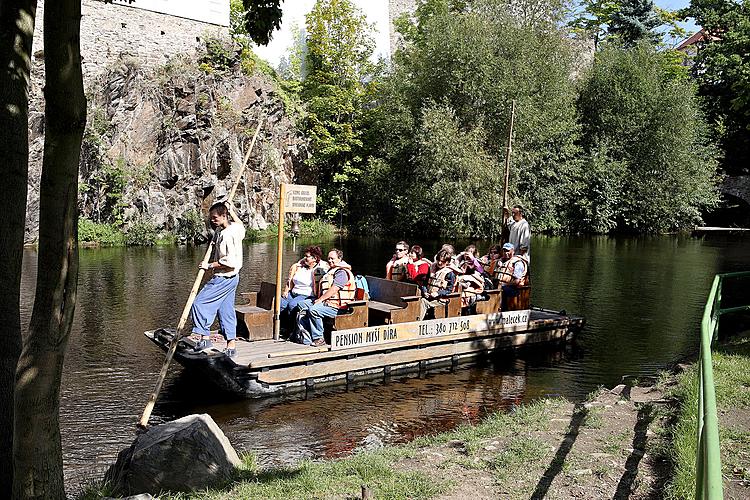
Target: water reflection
642, 299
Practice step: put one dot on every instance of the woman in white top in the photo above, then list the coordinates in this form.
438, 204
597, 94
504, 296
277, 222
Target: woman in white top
303, 280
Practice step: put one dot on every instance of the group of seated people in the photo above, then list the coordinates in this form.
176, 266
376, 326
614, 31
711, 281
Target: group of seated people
318, 288
464, 272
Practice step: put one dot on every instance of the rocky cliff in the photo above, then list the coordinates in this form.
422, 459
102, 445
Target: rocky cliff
164, 144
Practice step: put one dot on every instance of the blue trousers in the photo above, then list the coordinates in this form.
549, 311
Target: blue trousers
216, 297
310, 318
291, 301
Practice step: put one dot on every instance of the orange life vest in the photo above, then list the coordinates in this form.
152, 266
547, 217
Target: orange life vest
438, 280
345, 294
470, 285
505, 274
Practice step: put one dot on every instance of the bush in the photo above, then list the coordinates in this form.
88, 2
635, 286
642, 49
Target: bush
656, 162
141, 232
103, 234
190, 227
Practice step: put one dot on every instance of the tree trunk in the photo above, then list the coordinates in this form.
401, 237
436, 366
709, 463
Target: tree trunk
37, 449
16, 34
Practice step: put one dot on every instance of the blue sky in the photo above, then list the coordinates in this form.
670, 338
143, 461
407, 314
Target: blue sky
678, 4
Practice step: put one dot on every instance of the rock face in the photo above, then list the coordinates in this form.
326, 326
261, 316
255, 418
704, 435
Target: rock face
188, 454
162, 145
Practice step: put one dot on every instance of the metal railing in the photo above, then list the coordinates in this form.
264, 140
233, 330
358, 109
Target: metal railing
708, 480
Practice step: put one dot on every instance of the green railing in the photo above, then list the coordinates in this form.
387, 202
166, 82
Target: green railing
708, 482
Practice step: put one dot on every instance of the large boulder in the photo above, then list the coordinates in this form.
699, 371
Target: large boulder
187, 454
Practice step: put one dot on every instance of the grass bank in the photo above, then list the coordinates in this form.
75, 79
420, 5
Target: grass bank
731, 364
145, 233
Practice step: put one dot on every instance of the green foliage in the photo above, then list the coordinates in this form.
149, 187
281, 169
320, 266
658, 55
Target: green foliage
445, 111
102, 234
141, 232
190, 226
722, 70
635, 21
592, 18
339, 45
651, 168
220, 55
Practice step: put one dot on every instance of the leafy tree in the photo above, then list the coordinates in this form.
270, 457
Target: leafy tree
650, 167
339, 46
634, 21
466, 66
593, 18
722, 70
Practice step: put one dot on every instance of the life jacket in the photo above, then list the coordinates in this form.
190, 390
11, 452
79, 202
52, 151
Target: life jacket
505, 274
470, 285
345, 294
317, 272
438, 280
397, 271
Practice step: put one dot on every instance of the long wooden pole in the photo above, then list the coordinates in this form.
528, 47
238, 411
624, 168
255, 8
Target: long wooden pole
279, 259
143, 422
507, 164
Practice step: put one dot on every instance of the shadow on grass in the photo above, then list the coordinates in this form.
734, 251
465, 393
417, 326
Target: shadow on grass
556, 465
625, 485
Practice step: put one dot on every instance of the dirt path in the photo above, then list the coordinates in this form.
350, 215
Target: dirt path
613, 446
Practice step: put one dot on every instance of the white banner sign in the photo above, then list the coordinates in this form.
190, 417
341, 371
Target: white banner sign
300, 199
372, 335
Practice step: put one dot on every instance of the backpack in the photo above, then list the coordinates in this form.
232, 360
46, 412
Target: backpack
363, 290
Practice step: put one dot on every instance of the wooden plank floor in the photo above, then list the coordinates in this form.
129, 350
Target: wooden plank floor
271, 353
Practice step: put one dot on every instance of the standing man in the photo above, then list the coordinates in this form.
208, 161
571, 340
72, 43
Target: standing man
217, 295
337, 289
520, 231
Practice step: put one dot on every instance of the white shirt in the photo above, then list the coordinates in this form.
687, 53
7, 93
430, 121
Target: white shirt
228, 248
520, 236
302, 281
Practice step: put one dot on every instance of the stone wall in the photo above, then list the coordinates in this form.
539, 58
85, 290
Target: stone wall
110, 32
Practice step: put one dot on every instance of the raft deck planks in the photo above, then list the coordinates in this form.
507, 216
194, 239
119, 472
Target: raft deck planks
269, 366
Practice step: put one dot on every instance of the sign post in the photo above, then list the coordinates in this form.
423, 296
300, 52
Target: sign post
292, 198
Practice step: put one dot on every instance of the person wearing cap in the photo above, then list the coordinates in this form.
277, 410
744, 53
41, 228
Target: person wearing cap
217, 295
520, 231
514, 272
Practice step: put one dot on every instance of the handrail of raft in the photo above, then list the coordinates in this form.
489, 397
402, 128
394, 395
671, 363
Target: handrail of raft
708, 480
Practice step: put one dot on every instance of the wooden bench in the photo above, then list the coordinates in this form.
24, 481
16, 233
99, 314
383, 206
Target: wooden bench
492, 304
355, 316
450, 308
519, 302
255, 318
392, 301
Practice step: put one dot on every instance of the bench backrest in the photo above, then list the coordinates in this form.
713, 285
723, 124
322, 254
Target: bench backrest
266, 295
389, 291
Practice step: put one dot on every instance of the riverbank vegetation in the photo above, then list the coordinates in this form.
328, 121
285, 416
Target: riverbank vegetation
609, 139
731, 364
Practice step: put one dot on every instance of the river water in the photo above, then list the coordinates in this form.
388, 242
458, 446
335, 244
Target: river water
642, 299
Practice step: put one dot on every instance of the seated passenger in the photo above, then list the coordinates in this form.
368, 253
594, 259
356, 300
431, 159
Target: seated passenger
396, 267
302, 282
448, 248
472, 250
514, 272
337, 289
491, 260
441, 283
418, 268
469, 282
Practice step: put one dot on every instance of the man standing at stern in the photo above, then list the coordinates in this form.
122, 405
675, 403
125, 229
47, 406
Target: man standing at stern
217, 295
520, 231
